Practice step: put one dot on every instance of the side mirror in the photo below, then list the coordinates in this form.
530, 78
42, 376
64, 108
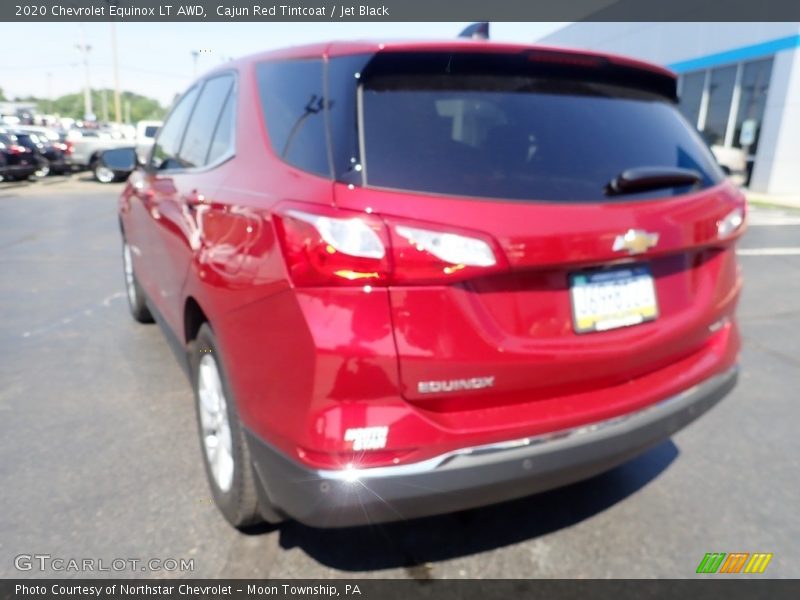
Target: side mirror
120, 160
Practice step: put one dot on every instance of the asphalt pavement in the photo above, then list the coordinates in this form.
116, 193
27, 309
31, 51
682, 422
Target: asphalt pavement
99, 457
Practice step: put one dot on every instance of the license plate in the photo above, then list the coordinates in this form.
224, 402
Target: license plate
609, 299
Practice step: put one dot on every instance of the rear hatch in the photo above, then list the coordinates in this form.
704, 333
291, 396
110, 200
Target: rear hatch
610, 223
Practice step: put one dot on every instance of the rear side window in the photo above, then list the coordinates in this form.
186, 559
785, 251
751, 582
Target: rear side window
222, 143
165, 150
520, 137
204, 120
150, 131
292, 98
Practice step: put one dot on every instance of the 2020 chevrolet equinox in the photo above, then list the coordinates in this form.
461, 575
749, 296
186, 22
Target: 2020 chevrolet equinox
415, 278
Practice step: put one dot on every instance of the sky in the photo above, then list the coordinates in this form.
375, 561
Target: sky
155, 59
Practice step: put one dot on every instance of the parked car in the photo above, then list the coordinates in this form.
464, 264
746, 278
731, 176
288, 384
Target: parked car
88, 148
18, 162
116, 164
51, 156
48, 133
414, 278
733, 162
3, 161
57, 137
145, 136
87, 144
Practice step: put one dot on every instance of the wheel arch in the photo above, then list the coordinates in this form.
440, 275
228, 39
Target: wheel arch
193, 319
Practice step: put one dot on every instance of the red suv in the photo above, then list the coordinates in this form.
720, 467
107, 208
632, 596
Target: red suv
415, 278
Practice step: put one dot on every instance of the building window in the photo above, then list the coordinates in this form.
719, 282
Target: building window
720, 93
692, 86
752, 100
721, 102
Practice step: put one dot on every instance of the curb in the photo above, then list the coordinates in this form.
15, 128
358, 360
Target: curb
789, 202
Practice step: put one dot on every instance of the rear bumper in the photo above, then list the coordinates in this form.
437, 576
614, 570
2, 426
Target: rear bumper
18, 170
58, 164
477, 476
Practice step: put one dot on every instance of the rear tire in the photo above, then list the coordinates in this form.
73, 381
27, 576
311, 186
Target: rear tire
229, 469
134, 292
43, 170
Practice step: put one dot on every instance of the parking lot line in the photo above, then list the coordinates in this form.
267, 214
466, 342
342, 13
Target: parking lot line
795, 251
773, 221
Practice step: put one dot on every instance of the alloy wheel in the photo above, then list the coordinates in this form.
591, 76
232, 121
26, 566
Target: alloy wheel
216, 430
127, 262
103, 174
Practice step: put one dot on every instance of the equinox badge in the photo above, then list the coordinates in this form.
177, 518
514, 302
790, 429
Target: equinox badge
635, 241
455, 385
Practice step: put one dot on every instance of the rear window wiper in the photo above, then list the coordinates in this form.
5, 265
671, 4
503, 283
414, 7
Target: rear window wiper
643, 179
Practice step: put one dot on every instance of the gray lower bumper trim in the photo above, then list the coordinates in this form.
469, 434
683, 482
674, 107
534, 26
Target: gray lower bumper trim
476, 476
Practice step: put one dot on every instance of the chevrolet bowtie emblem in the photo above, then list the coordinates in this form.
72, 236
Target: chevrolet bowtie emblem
635, 241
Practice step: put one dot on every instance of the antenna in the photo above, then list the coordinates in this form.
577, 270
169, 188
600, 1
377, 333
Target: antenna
476, 31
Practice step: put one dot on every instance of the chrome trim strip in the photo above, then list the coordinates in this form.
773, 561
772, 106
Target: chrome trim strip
425, 466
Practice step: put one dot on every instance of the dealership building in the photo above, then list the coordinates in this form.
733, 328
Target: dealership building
739, 83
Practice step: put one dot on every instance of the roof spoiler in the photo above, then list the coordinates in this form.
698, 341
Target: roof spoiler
535, 62
476, 31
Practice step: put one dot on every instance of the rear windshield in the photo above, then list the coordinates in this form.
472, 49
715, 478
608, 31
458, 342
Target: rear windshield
520, 138
27, 139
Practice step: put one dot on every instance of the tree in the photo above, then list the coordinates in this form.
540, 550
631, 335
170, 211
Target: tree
71, 105
2, 95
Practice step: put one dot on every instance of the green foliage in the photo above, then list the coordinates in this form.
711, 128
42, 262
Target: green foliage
71, 105
2, 95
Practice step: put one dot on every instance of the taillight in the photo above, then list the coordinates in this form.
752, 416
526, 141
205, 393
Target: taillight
336, 248
15, 149
62, 147
730, 223
424, 253
69, 147
328, 247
